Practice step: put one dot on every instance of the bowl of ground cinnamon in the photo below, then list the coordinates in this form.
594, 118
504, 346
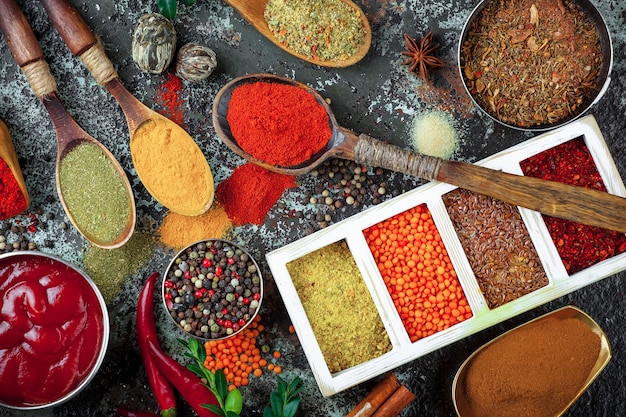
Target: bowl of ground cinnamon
539, 368
535, 64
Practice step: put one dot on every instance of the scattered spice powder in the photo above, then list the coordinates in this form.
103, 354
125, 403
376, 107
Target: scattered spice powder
178, 231
418, 273
339, 307
535, 370
497, 244
109, 268
579, 246
13, 200
168, 96
250, 192
94, 192
532, 62
278, 123
325, 30
433, 134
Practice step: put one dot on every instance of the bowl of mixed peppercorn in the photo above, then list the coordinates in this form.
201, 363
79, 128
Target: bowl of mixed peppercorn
537, 64
212, 289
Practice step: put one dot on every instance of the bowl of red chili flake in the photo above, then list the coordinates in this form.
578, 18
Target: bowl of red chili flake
535, 64
54, 330
212, 289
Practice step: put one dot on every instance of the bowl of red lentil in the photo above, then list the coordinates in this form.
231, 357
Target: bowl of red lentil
212, 289
537, 64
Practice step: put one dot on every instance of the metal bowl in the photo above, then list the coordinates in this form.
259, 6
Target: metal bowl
461, 402
42, 298
592, 98
201, 295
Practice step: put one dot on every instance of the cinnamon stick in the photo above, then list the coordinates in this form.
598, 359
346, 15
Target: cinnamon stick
396, 403
375, 399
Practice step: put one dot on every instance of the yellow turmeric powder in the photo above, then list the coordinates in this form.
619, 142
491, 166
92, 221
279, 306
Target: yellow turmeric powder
178, 231
172, 167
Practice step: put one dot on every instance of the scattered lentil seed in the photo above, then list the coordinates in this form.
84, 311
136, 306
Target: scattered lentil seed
418, 273
497, 244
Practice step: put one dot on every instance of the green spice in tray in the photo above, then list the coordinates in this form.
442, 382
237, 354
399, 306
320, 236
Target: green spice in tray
339, 307
324, 30
94, 192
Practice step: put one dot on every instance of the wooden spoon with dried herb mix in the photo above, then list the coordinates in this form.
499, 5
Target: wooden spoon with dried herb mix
91, 184
329, 33
583, 205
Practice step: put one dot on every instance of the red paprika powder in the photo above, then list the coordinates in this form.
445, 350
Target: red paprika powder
579, 246
12, 199
169, 97
250, 192
279, 124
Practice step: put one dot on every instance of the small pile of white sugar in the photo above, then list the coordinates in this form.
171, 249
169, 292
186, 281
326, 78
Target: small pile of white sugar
434, 134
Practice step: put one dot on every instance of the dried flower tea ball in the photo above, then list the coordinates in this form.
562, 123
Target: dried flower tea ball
154, 42
195, 62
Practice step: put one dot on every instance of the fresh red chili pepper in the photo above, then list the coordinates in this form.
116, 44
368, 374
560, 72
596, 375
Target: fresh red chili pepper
146, 330
186, 382
130, 413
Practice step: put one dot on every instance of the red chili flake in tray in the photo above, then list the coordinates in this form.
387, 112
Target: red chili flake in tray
579, 246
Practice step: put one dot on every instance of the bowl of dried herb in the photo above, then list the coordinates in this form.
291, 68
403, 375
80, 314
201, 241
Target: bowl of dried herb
212, 289
535, 65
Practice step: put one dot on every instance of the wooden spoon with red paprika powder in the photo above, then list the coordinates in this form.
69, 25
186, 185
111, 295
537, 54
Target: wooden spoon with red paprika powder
591, 207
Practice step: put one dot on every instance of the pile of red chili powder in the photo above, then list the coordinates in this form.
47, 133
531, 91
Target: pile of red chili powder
280, 124
12, 199
250, 192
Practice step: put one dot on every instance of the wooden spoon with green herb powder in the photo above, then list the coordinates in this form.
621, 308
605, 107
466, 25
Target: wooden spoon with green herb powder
92, 186
168, 161
329, 33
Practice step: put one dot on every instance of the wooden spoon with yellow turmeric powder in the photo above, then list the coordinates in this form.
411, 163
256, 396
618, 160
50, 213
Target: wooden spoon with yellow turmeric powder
183, 184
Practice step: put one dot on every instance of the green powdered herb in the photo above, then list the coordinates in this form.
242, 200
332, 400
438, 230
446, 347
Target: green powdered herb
109, 268
319, 29
339, 307
94, 192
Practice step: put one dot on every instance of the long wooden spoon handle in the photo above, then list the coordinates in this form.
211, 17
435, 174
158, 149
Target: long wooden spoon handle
583, 205
73, 29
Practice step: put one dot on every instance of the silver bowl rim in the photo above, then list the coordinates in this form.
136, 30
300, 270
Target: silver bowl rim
105, 326
169, 265
607, 45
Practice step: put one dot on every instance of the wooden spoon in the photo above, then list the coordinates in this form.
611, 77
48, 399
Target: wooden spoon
82, 42
569, 202
252, 11
29, 57
459, 396
7, 153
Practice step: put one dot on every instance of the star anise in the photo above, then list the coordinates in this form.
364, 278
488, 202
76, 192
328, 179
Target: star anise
421, 55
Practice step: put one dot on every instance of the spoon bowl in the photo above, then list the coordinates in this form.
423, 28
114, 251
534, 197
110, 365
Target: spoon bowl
7, 153
552, 198
29, 57
461, 402
252, 11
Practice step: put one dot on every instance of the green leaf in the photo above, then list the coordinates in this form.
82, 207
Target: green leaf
232, 414
276, 402
291, 408
167, 8
221, 385
268, 412
215, 409
188, 2
233, 402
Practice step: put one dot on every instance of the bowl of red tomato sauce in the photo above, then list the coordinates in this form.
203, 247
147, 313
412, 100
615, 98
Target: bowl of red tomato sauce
54, 330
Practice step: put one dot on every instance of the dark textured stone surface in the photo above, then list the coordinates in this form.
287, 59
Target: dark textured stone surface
376, 96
